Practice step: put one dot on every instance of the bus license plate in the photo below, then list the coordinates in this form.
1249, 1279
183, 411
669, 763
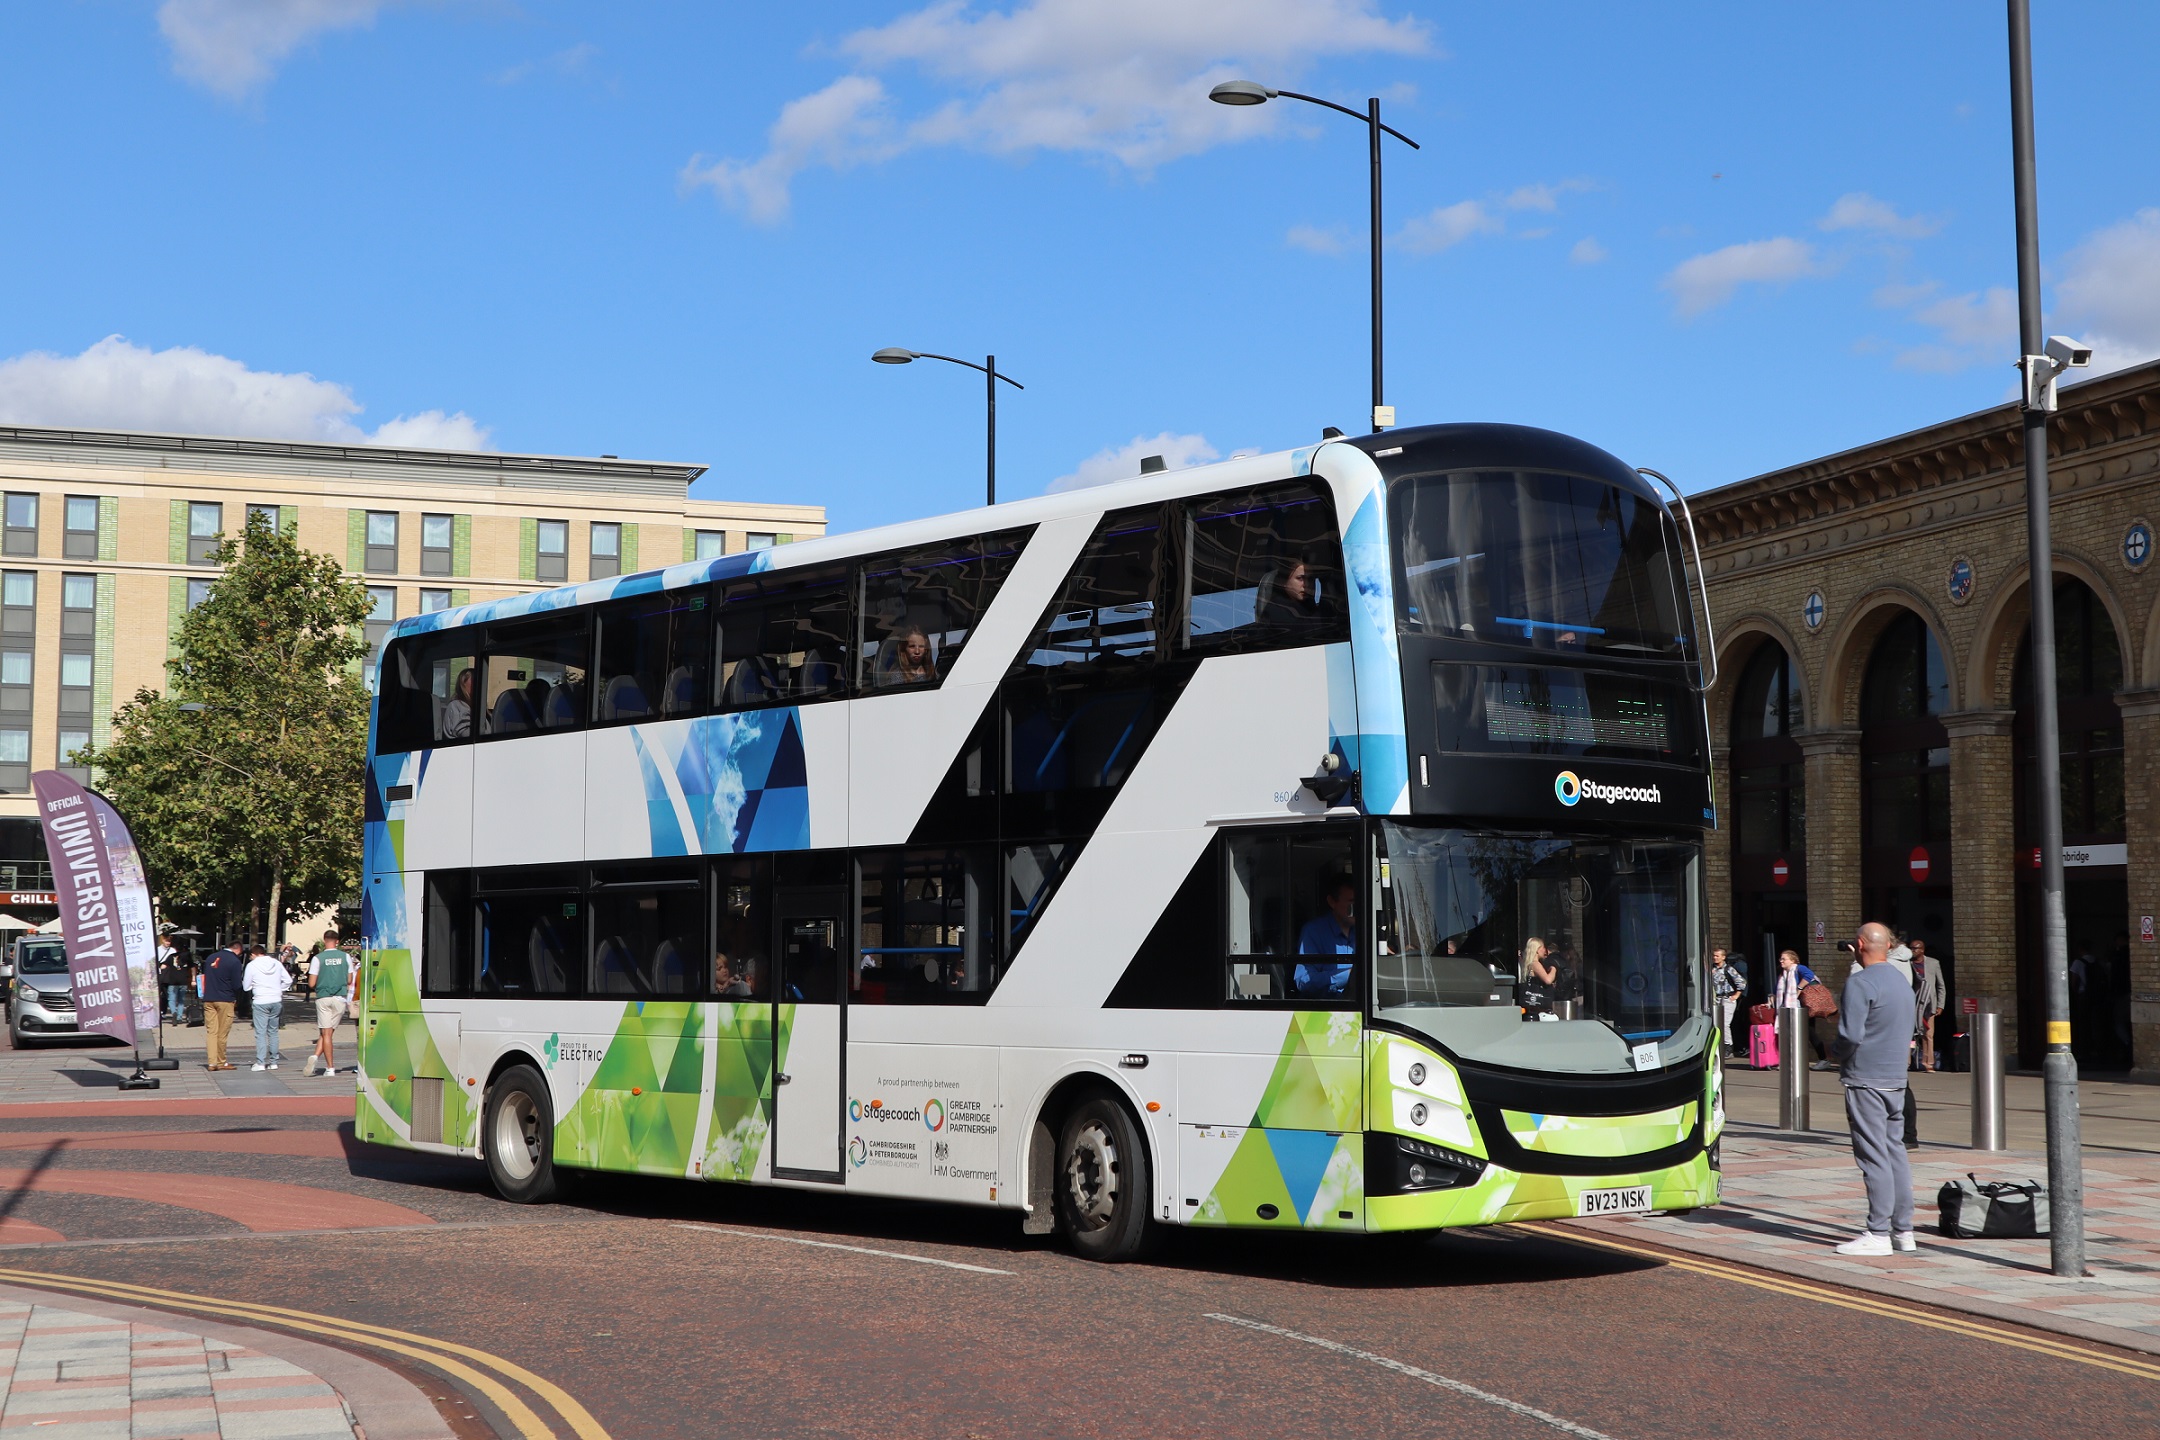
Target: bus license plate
1626, 1200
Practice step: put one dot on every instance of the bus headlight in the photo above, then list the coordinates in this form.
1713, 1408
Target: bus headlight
1417, 1072
1396, 1164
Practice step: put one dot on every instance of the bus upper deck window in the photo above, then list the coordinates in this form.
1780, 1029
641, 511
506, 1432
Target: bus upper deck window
654, 658
918, 609
784, 638
533, 673
1554, 562
428, 685
1263, 569
1106, 610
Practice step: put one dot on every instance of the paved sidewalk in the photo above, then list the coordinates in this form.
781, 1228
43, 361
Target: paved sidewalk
77, 1376
1789, 1197
90, 1068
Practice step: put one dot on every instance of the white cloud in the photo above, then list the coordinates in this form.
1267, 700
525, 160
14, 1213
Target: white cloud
1587, 251
115, 385
1708, 281
566, 62
1977, 328
1122, 462
2109, 295
1123, 80
234, 46
1544, 198
1331, 241
1861, 211
1448, 226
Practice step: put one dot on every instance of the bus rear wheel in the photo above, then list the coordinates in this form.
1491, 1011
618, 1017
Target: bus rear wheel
1103, 1189
518, 1131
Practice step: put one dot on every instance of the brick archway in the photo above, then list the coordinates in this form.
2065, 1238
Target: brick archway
1743, 637
2007, 620
1855, 643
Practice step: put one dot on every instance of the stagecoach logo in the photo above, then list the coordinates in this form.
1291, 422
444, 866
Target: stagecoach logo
864, 1110
1570, 788
933, 1115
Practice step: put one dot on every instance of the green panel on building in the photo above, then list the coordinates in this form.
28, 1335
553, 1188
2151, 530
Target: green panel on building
108, 527
288, 520
629, 549
460, 597
461, 544
528, 549
689, 543
356, 540
176, 550
101, 678
175, 608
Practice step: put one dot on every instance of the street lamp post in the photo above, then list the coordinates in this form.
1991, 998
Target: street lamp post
1248, 92
893, 355
2042, 360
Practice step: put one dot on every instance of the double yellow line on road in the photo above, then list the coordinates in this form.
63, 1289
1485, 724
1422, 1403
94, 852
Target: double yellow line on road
1824, 1294
462, 1362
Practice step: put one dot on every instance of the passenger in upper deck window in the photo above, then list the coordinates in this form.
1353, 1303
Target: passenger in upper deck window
905, 659
457, 711
1293, 594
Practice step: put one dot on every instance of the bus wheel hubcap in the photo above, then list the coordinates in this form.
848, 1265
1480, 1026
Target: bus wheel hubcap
1091, 1176
517, 1135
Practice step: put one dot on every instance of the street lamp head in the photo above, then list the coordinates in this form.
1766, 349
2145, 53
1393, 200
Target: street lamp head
893, 355
1241, 92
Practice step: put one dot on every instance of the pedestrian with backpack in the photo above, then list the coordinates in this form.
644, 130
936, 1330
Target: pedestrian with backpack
1730, 982
331, 971
1875, 1027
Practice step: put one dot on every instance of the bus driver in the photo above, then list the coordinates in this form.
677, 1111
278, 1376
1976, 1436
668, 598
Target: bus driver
1332, 933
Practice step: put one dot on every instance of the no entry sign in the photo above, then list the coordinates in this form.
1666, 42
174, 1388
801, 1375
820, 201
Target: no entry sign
1780, 871
1919, 864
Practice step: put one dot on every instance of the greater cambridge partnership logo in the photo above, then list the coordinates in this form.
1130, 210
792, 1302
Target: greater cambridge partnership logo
1570, 789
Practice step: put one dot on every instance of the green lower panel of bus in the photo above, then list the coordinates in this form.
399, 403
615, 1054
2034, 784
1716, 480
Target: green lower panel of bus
1503, 1195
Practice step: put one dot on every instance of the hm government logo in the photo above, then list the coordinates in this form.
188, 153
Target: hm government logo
933, 1115
1571, 789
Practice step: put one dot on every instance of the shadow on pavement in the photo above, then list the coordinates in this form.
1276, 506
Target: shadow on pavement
38, 1167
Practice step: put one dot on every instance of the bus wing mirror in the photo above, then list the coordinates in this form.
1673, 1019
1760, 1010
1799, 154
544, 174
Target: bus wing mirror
1706, 655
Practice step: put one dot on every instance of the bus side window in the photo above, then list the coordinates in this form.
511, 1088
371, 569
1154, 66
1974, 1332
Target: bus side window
1263, 569
785, 638
533, 673
648, 931
742, 967
923, 938
1291, 921
532, 938
427, 686
918, 609
1106, 610
447, 961
654, 657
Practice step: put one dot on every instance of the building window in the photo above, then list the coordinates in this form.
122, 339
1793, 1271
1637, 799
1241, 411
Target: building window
606, 559
18, 602
434, 600
1905, 768
1769, 789
711, 544
21, 524
16, 671
78, 607
268, 513
80, 541
205, 518
436, 532
14, 760
758, 540
382, 611
70, 742
553, 556
2088, 673
197, 592
382, 542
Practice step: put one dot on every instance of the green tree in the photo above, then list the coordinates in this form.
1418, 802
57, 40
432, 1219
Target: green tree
246, 773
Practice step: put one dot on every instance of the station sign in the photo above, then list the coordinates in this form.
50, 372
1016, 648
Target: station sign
2078, 857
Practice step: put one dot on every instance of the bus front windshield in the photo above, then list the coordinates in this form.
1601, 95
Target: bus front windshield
1529, 558
1589, 929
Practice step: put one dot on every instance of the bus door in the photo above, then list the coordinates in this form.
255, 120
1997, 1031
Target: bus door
812, 983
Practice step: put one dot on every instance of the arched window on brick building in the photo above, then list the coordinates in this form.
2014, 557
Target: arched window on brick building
1769, 809
1905, 785
2096, 903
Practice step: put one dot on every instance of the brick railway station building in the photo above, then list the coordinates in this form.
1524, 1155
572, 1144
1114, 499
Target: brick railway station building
1871, 722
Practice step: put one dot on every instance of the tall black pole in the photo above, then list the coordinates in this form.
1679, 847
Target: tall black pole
2066, 1179
990, 380
1372, 119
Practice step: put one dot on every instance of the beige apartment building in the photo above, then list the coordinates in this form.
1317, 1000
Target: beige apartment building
107, 537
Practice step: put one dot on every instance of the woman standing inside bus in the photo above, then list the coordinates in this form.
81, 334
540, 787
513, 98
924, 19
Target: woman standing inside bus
1540, 977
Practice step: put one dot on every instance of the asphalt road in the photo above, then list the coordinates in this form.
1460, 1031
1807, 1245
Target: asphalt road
669, 1309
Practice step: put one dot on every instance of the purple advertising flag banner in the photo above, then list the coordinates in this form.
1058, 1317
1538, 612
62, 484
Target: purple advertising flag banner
82, 874
131, 905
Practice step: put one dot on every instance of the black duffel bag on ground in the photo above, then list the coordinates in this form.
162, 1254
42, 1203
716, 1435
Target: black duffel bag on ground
1998, 1210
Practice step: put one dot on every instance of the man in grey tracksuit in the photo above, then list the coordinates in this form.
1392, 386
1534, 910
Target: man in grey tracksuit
1875, 1026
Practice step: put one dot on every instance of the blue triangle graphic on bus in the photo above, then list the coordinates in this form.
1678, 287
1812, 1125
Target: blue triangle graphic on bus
1302, 1157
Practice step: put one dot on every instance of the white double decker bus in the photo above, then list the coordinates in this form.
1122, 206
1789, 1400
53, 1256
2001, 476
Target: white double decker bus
1309, 841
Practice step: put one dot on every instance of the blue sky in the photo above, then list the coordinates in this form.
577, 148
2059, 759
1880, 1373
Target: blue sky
1713, 238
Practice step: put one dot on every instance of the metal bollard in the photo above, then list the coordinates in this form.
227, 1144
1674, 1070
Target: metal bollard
1792, 1105
1567, 1009
1989, 1097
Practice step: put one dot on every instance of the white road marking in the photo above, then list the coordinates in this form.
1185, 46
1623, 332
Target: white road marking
1501, 1401
833, 1245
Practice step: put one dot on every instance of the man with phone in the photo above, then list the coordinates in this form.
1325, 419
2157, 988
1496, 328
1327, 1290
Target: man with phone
1875, 1026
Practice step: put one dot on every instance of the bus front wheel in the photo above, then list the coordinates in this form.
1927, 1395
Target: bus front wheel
519, 1130
1102, 1182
